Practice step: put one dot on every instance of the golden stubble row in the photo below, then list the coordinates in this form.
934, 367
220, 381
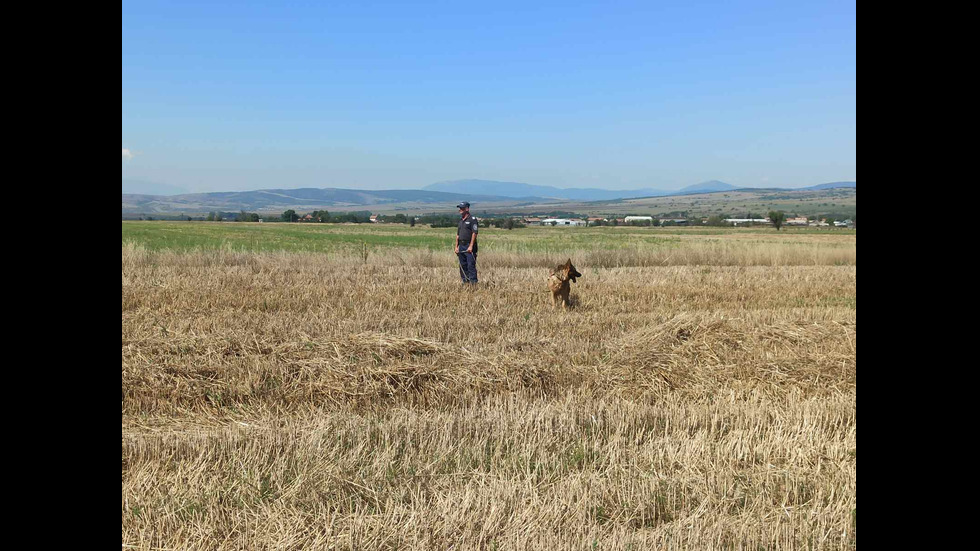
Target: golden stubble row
514, 470
315, 331
296, 401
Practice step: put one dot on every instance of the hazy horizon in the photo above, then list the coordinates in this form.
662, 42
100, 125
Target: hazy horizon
176, 190
400, 96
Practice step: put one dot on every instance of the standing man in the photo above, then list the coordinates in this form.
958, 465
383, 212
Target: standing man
466, 244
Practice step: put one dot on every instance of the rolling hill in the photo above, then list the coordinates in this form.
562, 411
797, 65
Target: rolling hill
522, 190
141, 187
834, 185
704, 187
277, 200
489, 195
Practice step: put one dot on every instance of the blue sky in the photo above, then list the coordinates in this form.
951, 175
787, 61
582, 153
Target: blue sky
391, 95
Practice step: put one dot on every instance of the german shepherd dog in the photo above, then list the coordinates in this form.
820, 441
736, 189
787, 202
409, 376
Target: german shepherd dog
558, 282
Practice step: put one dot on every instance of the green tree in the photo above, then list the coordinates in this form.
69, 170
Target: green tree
777, 217
290, 216
210, 217
411, 222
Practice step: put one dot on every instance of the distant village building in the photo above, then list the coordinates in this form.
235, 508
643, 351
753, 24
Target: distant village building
639, 219
562, 222
744, 221
533, 221
374, 217
798, 221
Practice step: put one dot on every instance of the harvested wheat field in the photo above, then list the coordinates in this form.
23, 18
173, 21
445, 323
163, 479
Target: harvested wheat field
699, 394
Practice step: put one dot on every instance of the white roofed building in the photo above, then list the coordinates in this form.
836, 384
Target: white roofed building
562, 222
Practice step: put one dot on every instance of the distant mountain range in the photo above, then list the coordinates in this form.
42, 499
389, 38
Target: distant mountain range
160, 198
269, 200
833, 185
518, 190
149, 188
710, 186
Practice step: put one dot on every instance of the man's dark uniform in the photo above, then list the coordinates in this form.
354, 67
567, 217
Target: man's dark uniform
467, 261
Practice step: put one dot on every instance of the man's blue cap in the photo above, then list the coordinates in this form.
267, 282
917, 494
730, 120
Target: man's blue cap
463, 205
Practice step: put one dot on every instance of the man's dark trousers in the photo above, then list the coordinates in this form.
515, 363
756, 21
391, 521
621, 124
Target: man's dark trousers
467, 264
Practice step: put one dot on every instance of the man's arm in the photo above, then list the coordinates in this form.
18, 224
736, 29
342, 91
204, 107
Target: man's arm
472, 242
456, 246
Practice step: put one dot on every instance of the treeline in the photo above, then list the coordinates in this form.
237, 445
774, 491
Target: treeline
655, 222
317, 216
505, 223
324, 217
445, 221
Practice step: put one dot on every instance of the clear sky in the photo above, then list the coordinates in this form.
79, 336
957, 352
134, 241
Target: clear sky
220, 96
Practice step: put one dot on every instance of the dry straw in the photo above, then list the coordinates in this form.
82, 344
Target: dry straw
702, 397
